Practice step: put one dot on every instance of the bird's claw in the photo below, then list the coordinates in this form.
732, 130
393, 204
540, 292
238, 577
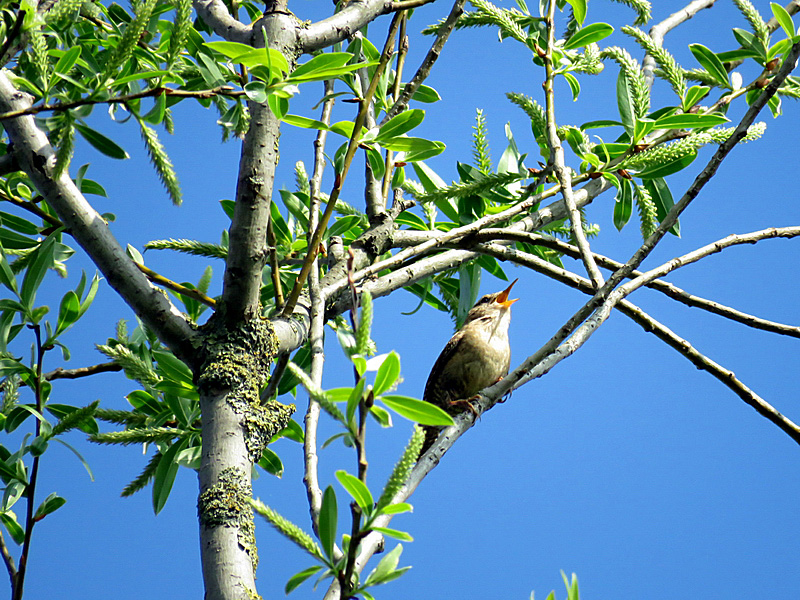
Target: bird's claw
467, 403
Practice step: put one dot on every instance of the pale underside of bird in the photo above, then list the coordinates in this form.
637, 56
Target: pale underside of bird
477, 356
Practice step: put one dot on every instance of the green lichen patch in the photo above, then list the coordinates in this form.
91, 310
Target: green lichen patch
236, 361
227, 504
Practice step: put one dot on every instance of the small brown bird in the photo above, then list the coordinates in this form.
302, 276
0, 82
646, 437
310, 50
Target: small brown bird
477, 356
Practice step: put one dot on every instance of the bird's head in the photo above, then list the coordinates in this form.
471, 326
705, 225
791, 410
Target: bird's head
492, 307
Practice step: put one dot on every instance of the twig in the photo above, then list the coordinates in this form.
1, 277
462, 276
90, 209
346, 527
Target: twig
223, 90
427, 64
274, 266
317, 329
398, 74
557, 155
660, 285
61, 373
32, 208
176, 287
8, 560
316, 239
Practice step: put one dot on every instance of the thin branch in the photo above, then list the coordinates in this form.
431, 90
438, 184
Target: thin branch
562, 173
408, 4
176, 287
660, 285
427, 64
316, 336
707, 250
61, 373
274, 265
223, 90
31, 208
313, 247
8, 560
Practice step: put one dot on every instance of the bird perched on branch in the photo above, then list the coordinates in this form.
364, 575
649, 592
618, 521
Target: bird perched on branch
477, 356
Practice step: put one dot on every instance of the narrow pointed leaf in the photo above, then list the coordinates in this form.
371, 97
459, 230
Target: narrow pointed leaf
356, 488
418, 411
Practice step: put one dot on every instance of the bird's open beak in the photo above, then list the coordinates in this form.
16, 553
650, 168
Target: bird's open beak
503, 297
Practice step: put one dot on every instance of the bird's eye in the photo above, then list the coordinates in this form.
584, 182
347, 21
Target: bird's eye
483, 300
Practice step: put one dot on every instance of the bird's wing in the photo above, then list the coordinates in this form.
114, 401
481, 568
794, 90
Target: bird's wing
441, 389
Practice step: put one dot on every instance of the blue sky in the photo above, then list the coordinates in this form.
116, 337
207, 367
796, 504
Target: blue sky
625, 464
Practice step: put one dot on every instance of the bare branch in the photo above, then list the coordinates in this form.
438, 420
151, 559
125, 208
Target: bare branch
107, 367
660, 285
215, 14
563, 174
342, 25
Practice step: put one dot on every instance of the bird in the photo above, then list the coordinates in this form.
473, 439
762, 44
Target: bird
478, 355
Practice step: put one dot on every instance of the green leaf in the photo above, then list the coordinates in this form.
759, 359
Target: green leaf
357, 489
6, 274
662, 197
271, 463
578, 10
426, 94
305, 122
396, 509
256, 91
165, 474
416, 149
16, 531
298, 578
711, 63
402, 123
693, 95
327, 521
574, 85
173, 368
68, 311
101, 142
385, 568
355, 397
418, 411
783, 18
42, 261
67, 60
588, 35
394, 533
387, 374
690, 121
278, 105
623, 206
50, 504
625, 103
78, 455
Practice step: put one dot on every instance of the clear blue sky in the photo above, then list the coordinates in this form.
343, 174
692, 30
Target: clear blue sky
625, 465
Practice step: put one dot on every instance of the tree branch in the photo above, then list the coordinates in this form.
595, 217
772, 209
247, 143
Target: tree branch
342, 25
37, 158
660, 285
557, 155
215, 14
59, 373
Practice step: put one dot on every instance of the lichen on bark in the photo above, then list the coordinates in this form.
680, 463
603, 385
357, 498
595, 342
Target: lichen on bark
227, 504
236, 361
